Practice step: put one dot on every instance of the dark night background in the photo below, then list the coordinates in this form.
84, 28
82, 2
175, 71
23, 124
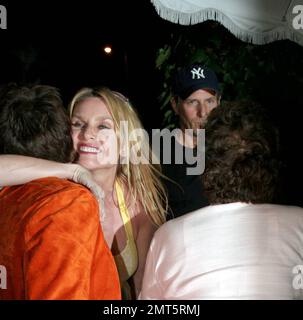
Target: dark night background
60, 44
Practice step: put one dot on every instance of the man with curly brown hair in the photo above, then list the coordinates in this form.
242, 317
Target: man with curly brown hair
51, 241
242, 246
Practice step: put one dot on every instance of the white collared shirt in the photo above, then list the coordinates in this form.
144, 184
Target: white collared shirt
228, 251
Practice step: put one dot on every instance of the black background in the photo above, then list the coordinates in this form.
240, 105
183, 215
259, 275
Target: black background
60, 43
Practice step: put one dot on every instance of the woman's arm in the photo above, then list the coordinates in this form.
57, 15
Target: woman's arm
16, 169
145, 231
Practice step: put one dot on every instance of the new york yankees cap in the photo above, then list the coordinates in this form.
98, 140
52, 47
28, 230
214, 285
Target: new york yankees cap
192, 78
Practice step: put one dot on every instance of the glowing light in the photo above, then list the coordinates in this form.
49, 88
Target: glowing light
107, 50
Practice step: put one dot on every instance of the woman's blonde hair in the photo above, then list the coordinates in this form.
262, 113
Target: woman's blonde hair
143, 178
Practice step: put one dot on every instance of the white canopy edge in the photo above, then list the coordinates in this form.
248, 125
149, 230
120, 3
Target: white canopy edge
279, 32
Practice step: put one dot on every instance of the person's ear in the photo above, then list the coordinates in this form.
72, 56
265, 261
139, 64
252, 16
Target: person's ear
174, 104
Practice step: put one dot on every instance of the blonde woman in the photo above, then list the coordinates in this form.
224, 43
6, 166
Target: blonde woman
108, 137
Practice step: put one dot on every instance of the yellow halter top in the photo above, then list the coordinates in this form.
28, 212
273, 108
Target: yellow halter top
127, 259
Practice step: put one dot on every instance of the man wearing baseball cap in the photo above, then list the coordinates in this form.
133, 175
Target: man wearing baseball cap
195, 93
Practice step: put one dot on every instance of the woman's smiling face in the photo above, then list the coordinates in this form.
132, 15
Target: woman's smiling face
93, 134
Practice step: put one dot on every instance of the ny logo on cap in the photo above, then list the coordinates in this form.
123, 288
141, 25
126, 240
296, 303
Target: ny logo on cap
197, 73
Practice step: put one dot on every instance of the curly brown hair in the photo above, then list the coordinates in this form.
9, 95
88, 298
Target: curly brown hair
242, 161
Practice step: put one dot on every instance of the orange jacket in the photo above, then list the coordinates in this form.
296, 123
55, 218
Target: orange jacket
52, 245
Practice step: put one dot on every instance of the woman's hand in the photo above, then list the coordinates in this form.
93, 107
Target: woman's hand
81, 175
